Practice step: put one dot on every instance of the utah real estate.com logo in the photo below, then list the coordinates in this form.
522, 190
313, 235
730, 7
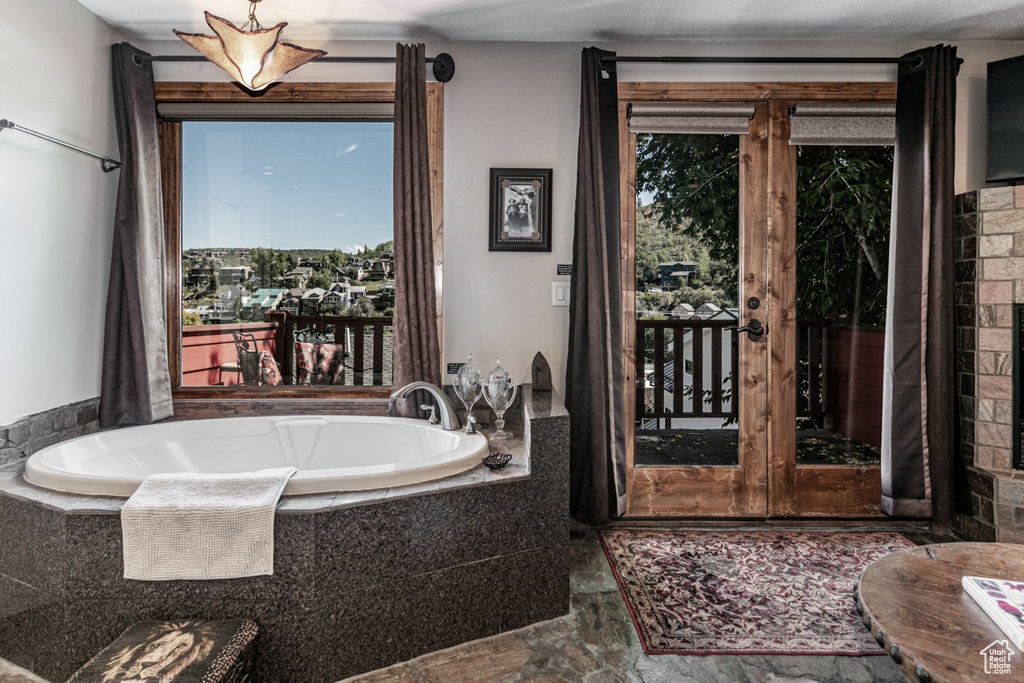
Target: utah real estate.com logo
997, 657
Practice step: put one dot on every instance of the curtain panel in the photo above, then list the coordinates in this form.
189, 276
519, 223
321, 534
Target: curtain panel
136, 384
594, 374
918, 391
417, 354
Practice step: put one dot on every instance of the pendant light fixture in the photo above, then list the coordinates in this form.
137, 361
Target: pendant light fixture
254, 56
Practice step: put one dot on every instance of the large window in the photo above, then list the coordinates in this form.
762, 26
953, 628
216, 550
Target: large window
280, 239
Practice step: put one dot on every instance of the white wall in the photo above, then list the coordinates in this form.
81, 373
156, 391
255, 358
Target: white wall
510, 104
56, 206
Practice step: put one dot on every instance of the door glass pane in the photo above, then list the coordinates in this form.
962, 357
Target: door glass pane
687, 278
287, 253
843, 202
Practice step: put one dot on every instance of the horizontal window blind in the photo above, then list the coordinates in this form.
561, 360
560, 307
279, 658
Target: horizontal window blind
842, 124
715, 118
276, 111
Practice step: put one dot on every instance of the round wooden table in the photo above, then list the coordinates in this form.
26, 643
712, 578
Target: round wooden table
915, 607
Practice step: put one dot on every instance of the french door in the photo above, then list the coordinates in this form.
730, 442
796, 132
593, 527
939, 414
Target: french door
739, 406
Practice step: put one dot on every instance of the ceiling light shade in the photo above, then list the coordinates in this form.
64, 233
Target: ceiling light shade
254, 57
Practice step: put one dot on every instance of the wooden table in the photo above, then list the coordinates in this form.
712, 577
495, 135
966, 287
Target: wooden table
915, 607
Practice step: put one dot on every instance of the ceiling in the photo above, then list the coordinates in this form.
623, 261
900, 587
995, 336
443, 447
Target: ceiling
585, 20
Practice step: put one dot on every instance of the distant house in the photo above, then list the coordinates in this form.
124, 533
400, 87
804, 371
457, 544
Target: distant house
338, 274
300, 273
337, 296
233, 275
379, 270
229, 305
356, 293
290, 304
314, 263
204, 312
311, 300
386, 297
682, 312
261, 302
358, 262
707, 310
673, 274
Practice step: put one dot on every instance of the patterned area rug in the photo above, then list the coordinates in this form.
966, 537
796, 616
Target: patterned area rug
759, 592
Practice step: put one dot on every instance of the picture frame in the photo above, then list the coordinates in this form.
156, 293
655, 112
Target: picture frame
520, 209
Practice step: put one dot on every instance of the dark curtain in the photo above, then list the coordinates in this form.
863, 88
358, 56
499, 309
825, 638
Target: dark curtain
417, 355
594, 378
918, 406
136, 385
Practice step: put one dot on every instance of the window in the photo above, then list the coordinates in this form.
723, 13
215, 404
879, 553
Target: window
279, 240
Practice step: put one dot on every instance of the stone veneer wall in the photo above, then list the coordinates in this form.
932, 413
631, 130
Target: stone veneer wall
35, 432
990, 279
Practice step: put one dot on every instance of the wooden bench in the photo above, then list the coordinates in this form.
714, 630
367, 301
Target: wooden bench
189, 651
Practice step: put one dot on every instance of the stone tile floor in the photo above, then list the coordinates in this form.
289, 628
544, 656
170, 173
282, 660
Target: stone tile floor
596, 642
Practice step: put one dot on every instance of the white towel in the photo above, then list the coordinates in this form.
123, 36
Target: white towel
202, 526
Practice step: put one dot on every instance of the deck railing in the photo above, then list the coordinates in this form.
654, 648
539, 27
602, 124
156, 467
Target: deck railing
688, 366
366, 341
693, 360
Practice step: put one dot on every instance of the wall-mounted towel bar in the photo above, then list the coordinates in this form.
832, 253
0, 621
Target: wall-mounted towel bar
106, 163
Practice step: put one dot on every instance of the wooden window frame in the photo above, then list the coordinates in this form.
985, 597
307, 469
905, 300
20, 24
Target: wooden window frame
202, 402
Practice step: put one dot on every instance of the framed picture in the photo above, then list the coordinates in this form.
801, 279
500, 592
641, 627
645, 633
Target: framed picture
520, 215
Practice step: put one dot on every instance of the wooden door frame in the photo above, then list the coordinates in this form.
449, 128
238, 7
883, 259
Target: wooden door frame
782, 490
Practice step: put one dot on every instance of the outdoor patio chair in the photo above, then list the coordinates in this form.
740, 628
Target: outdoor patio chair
258, 368
318, 360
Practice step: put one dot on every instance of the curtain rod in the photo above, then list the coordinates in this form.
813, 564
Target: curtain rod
916, 61
444, 65
106, 163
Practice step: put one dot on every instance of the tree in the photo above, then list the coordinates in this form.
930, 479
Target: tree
360, 308
267, 265
212, 284
319, 279
843, 203
188, 318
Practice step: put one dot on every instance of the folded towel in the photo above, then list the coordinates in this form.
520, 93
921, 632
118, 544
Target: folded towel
202, 526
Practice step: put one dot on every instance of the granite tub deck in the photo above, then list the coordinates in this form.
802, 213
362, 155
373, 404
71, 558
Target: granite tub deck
362, 580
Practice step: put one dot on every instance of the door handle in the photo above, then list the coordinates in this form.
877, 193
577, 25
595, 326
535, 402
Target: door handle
753, 328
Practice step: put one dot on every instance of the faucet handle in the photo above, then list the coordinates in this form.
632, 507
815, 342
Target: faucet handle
432, 420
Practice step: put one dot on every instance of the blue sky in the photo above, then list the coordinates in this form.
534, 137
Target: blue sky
322, 185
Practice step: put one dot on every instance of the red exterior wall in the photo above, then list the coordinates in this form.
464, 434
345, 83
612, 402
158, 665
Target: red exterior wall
861, 362
205, 348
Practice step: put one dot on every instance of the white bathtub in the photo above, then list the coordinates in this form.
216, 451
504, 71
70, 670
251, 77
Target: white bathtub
332, 453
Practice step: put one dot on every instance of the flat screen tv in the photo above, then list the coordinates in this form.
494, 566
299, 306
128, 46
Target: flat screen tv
1005, 120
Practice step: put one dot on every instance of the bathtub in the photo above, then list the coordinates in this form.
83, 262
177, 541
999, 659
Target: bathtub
332, 453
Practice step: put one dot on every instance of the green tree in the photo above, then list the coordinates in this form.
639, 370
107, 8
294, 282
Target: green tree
360, 308
843, 204
190, 319
266, 264
212, 284
321, 279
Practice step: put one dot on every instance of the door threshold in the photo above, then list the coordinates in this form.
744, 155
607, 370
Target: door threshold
740, 524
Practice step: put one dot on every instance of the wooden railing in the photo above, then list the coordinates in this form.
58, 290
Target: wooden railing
685, 369
817, 364
367, 344
698, 349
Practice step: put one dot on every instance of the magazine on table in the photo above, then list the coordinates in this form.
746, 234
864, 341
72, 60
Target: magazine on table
1003, 601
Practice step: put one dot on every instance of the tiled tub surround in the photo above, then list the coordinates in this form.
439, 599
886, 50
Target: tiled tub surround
362, 580
990, 279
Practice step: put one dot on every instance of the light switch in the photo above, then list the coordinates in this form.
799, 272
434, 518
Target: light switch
560, 293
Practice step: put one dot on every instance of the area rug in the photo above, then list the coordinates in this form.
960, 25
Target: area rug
757, 592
